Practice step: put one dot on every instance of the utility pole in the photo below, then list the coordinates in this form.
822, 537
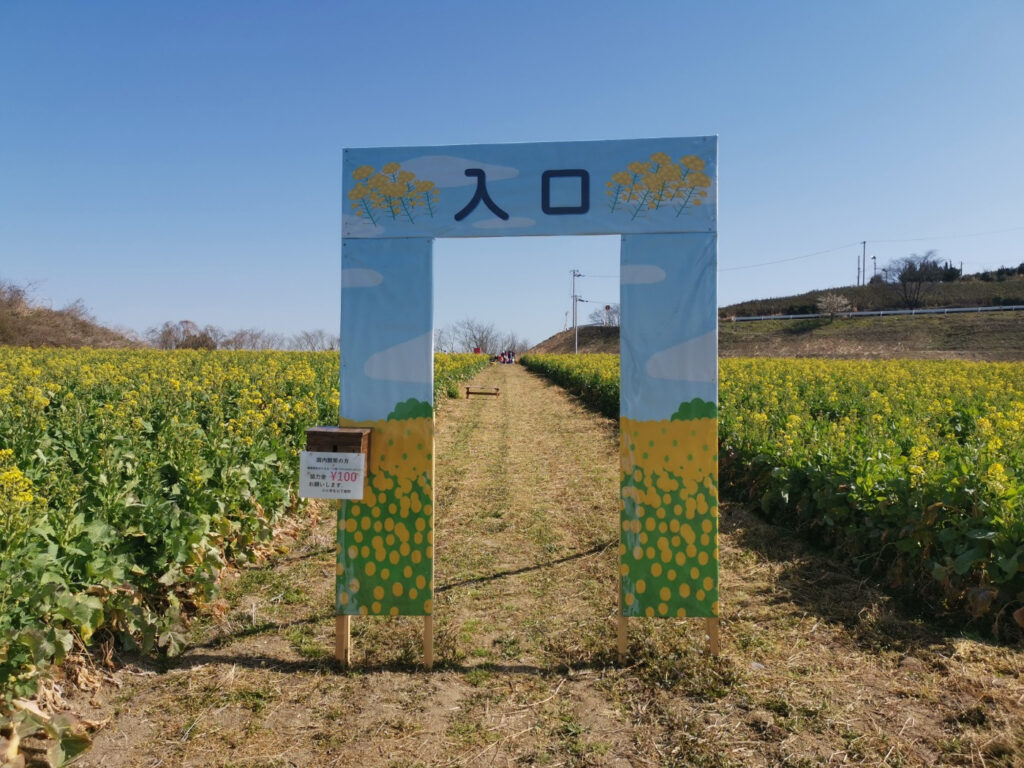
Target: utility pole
575, 327
864, 260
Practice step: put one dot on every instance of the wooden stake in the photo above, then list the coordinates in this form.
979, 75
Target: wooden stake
343, 639
428, 641
711, 626
621, 628
623, 639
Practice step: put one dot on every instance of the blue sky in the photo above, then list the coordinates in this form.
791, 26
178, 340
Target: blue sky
162, 161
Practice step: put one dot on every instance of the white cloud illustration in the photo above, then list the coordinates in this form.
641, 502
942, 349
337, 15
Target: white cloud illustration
693, 360
357, 226
641, 274
361, 278
496, 223
450, 171
409, 361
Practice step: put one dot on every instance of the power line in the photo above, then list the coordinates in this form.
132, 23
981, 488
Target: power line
951, 237
860, 242
791, 258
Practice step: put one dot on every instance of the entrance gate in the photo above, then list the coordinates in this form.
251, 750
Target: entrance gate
660, 195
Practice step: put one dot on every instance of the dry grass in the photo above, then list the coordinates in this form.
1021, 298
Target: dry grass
960, 293
818, 666
26, 324
988, 336
592, 338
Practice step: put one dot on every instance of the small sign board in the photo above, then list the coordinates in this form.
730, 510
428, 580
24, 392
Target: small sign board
331, 475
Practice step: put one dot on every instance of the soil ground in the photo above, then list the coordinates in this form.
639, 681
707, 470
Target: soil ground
818, 667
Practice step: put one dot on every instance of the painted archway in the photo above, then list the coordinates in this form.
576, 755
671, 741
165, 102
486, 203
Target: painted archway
660, 195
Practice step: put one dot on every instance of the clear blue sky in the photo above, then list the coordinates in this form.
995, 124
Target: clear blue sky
171, 160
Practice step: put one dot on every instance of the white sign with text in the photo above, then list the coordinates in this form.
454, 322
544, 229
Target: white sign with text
331, 475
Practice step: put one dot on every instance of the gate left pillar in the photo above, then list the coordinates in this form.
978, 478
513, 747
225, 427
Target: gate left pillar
385, 552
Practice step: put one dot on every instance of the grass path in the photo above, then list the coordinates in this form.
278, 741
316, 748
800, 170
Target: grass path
818, 668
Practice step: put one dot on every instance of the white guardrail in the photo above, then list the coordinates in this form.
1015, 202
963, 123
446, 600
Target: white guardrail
881, 312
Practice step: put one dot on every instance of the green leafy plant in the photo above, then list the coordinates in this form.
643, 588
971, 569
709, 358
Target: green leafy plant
130, 480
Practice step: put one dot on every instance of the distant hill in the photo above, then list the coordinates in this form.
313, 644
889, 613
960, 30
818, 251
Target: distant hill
972, 291
25, 324
593, 338
981, 336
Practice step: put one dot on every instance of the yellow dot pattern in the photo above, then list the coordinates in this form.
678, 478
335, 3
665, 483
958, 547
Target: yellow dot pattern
669, 518
385, 540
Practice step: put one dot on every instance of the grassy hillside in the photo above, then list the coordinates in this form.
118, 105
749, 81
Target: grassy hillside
983, 336
969, 292
593, 338
25, 324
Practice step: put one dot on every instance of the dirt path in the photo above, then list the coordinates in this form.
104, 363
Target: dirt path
817, 667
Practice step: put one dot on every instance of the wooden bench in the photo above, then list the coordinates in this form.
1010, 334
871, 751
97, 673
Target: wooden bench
495, 391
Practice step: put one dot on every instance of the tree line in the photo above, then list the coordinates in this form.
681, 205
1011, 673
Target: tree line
185, 334
912, 277
465, 335
469, 335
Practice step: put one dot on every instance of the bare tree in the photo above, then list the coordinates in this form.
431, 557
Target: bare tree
444, 340
511, 342
609, 315
79, 311
911, 277
252, 338
14, 298
471, 334
184, 334
314, 341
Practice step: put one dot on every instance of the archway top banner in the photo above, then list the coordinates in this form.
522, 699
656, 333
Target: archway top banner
560, 188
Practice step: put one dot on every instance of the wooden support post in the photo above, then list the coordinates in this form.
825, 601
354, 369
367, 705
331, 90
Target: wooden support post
343, 639
428, 641
621, 626
712, 626
340, 440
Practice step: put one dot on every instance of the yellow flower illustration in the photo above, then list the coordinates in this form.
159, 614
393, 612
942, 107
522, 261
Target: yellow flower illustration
693, 162
392, 192
647, 187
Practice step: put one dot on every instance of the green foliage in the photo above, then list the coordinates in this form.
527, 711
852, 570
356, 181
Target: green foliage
914, 470
593, 378
411, 409
130, 479
452, 370
695, 409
